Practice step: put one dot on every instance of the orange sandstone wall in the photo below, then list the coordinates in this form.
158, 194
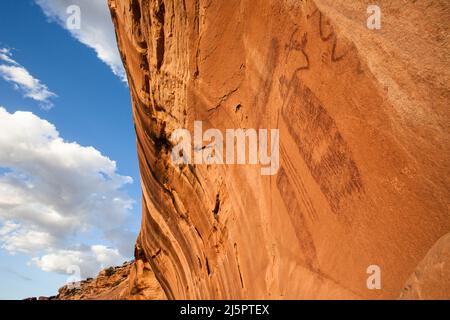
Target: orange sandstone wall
364, 143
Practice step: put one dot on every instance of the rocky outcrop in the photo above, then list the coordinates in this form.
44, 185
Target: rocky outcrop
364, 143
131, 281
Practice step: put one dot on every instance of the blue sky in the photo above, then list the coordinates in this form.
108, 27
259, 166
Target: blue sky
91, 107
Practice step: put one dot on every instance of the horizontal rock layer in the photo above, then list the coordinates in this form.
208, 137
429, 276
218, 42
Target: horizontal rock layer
364, 143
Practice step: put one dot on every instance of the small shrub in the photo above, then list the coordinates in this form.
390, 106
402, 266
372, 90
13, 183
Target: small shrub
109, 272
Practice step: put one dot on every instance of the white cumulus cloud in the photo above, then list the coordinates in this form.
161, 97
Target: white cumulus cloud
96, 28
86, 259
20, 77
54, 195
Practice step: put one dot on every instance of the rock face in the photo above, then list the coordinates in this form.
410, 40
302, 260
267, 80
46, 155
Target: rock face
364, 143
431, 279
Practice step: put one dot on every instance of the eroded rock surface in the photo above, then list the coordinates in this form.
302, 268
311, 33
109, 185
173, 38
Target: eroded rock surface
364, 143
431, 279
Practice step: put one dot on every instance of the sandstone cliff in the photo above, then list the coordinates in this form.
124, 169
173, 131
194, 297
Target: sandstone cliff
364, 143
